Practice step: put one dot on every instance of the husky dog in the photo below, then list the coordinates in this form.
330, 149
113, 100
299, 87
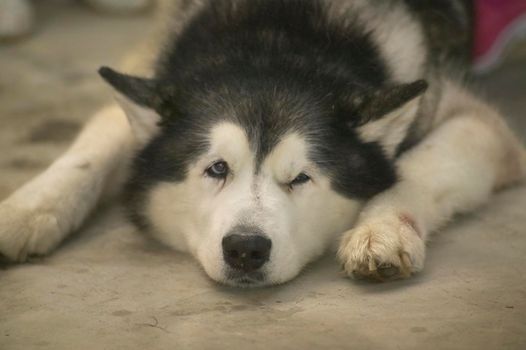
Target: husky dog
266, 130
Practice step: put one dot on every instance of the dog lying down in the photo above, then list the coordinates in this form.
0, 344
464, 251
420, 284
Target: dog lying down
265, 131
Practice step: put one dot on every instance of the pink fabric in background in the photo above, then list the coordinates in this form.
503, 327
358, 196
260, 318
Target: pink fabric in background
497, 23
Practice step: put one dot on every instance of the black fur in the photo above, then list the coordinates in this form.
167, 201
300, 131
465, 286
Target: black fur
271, 66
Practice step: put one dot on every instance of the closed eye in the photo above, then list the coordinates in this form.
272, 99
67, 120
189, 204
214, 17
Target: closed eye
301, 179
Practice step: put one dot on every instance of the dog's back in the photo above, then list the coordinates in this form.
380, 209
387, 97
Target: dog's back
447, 24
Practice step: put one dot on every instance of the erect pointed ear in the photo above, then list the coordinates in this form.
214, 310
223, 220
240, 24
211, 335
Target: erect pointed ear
385, 115
138, 99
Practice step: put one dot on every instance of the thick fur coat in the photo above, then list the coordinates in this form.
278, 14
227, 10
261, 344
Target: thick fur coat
262, 132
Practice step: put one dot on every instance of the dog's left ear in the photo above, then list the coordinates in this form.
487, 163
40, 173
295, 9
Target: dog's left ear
385, 115
139, 100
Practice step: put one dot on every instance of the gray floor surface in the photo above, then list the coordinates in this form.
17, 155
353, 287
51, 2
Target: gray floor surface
111, 288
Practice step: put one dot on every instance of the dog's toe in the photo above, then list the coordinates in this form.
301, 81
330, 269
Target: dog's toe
376, 271
26, 232
388, 271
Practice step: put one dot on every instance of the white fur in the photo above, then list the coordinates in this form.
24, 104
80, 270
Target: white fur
401, 40
34, 219
143, 121
399, 35
196, 214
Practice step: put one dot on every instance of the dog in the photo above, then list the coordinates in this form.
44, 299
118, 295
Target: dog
259, 133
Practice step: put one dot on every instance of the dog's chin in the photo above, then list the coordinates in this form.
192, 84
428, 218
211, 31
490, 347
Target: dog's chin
246, 280
245, 283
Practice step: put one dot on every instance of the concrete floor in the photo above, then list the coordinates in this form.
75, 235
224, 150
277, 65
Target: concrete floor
110, 288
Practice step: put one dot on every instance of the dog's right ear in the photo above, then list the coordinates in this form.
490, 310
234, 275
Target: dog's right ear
139, 100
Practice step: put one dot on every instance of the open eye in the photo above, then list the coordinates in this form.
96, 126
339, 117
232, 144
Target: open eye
218, 170
299, 180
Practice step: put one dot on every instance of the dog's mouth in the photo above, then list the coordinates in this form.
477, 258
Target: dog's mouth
245, 279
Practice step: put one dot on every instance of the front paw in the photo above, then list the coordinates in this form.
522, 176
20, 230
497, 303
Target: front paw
383, 248
25, 232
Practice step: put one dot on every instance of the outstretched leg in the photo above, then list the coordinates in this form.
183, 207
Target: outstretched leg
39, 215
455, 169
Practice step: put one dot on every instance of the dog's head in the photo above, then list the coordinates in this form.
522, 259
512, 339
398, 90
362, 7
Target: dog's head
256, 181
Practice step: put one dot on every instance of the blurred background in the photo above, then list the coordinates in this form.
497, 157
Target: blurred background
49, 84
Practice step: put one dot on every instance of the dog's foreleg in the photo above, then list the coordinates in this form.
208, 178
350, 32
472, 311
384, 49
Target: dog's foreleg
38, 216
453, 170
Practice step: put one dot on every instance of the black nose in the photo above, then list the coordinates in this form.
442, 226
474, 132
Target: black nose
246, 252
